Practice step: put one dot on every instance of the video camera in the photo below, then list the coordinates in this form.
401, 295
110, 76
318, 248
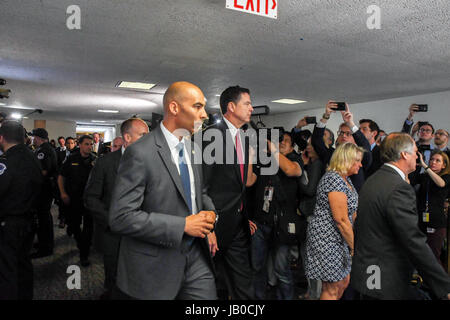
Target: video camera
4, 93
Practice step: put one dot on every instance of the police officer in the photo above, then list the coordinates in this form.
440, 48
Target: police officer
71, 182
47, 156
71, 147
20, 182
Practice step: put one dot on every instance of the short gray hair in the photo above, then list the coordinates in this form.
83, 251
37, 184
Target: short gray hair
394, 144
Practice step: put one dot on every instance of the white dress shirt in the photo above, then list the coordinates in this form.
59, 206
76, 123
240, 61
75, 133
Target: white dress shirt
173, 141
400, 172
233, 132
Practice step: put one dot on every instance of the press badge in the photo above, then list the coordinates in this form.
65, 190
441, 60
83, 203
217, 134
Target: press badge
268, 193
291, 228
426, 217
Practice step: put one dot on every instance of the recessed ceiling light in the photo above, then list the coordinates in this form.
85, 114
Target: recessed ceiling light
109, 111
97, 121
135, 85
217, 95
2, 104
16, 115
25, 118
288, 101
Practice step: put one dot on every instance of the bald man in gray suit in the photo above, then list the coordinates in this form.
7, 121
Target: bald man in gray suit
160, 210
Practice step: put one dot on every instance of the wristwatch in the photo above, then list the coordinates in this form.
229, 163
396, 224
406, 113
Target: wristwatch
326, 116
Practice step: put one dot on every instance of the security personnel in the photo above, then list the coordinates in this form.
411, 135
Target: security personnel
71, 182
47, 156
20, 182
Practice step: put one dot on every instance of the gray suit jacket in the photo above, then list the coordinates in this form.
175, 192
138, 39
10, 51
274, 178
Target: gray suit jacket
387, 236
149, 211
97, 198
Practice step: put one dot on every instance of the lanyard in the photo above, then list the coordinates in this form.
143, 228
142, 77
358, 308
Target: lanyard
428, 191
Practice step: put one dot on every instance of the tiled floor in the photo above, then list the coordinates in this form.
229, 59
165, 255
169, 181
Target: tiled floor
50, 273
51, 277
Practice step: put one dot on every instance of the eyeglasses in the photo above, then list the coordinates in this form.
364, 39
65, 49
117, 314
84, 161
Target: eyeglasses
344, 133
442, 134
426, 130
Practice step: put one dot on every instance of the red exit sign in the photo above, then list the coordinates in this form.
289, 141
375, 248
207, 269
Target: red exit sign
265, 8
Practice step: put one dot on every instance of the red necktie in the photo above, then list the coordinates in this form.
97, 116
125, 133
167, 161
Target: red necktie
239, 155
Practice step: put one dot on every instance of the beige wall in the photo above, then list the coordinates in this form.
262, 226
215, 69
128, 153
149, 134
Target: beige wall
54, 128
388, 114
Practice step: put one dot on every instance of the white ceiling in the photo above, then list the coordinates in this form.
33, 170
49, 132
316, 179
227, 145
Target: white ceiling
70, 74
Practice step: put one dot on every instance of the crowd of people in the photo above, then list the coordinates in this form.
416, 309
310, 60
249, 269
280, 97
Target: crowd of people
364, 214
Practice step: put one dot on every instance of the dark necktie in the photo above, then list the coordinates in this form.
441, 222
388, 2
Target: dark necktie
240, 161
184, 174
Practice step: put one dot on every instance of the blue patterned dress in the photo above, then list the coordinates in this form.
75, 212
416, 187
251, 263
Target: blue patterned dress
327, 253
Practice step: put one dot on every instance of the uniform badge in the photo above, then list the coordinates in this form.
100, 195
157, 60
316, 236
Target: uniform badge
40, 156
2, 168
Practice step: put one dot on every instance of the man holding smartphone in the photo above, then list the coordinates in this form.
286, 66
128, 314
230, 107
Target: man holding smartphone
426, 133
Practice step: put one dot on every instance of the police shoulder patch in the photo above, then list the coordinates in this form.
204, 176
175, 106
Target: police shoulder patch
2, 168
40, 156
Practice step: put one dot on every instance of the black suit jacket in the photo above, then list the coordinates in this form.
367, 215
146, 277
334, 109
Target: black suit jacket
325, 153
387, 236
97, 198
100, 185
376, 161
223, 183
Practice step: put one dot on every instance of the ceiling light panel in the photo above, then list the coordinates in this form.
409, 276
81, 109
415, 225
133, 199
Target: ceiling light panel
289, 101
135, 85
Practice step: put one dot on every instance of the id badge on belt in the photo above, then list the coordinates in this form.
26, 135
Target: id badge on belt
268, 196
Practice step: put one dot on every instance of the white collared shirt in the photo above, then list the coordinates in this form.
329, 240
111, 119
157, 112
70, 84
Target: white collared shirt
400, 172
173, 141
123, 149
233, 132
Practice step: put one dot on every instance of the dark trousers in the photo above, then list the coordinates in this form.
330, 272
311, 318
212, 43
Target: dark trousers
80, 224
44, 230
16, 269
264, 247
110, 246
435, 241
233, 263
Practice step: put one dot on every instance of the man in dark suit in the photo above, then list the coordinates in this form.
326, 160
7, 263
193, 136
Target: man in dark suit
388, 241
98, 147
158, 206
225, 183
97, 198
370, 129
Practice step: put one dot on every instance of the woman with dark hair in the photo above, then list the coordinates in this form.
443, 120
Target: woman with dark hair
432, 193
314, 170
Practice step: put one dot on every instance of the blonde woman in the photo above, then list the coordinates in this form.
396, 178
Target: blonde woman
329, 242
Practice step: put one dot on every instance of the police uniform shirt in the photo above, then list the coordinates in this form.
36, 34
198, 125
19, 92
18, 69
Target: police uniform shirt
47, 157
75, 171
20, 179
